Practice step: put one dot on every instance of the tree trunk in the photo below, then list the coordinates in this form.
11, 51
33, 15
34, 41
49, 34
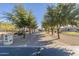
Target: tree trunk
29, 30
58, 33
52, 30
34, 30
24, 33
48, 30
45, 30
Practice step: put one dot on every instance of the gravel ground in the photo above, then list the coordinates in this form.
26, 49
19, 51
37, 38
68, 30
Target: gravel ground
29, 46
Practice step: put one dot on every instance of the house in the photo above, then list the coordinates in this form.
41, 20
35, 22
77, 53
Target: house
69, 28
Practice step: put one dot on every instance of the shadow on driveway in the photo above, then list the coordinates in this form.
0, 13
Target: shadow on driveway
29, 51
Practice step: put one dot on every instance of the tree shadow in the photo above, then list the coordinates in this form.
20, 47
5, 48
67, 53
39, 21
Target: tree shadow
53, 52
34, 51
35, 40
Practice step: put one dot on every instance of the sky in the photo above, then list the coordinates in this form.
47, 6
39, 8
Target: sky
38, 10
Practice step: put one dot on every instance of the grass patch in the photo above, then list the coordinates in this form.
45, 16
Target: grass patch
71, 33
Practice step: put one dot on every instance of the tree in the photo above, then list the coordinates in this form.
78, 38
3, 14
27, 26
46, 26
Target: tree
21, 18
34, 26
18, 16
62, 15
66, 14
50, 17
45, 25
31, 23
7, 27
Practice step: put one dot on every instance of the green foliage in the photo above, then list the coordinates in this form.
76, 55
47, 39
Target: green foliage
21, 17
61, 15
7, 27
